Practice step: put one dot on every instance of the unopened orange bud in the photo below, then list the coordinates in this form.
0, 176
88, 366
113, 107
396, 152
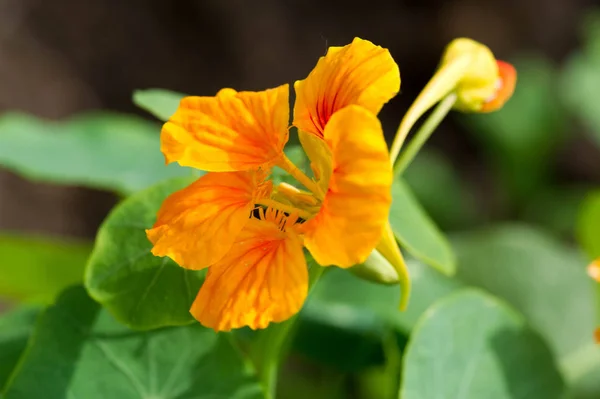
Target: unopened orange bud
483, 83
597, 335
504, 88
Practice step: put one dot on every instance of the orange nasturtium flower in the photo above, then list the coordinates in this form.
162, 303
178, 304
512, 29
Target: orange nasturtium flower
250, 234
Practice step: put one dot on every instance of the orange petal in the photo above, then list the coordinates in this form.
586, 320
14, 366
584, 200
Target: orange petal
262, 279
506, 87
355, 209
229, 132
196, 226
360, 73
597, 335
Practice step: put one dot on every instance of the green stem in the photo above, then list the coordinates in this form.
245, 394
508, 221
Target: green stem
421, 136
272, 343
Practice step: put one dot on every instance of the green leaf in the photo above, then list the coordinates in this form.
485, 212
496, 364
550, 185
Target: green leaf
79, 351
588, 226
345, 311
159, 102
535, 273
547, 282
100, 150
36, 269
470, 345
416, 231
141, 290
15, 328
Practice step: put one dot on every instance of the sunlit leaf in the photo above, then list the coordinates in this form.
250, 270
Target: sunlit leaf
470, 345
588, 227
101, 150
79, 351
36, 269
141, 290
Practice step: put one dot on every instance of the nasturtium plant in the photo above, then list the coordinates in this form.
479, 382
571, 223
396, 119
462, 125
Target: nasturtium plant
286, 227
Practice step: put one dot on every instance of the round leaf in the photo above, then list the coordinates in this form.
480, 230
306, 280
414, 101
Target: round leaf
141, 290
471, 346
79, 351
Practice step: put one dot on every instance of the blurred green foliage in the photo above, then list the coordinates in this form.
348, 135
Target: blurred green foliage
36, 269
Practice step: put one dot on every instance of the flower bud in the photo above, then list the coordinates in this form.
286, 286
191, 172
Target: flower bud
479, 77
376, 269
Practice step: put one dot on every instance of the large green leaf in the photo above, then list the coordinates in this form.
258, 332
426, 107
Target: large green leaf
79, 351
588, 227
470, 345
547, 282
159, 102
141, 290
416, 231
36, 269
538, 275
15, 328
101, 150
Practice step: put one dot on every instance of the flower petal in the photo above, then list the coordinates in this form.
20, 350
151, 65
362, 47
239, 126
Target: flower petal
229, 132
196, 226
355, 209
360, 73
262, 279
506, 87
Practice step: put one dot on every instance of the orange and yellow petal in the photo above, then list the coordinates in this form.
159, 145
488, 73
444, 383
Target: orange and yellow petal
196, 226
263, 279
360, 73
505, 88
355, 209
232, 131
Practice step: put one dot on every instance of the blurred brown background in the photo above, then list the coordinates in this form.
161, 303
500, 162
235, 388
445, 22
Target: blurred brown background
61, 57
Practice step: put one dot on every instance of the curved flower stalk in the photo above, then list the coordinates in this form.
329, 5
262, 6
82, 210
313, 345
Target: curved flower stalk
249, 234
